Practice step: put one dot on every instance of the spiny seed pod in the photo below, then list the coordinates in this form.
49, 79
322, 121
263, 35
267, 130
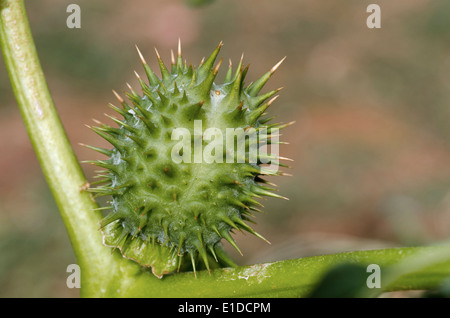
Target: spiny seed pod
175, 195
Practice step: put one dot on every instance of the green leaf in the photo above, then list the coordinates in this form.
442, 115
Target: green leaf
442, 291
342, 281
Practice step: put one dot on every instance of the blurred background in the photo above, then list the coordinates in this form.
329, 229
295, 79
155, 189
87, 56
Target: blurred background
372, 111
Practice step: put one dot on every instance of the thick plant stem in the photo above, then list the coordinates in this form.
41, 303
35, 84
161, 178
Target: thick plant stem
59, 164
293, 278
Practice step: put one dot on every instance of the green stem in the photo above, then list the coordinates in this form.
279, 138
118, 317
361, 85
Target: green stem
290, 278
59, 164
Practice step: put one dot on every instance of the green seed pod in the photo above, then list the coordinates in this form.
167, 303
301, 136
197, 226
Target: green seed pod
186, 164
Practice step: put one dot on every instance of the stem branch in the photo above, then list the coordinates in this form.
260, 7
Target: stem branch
56, 157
